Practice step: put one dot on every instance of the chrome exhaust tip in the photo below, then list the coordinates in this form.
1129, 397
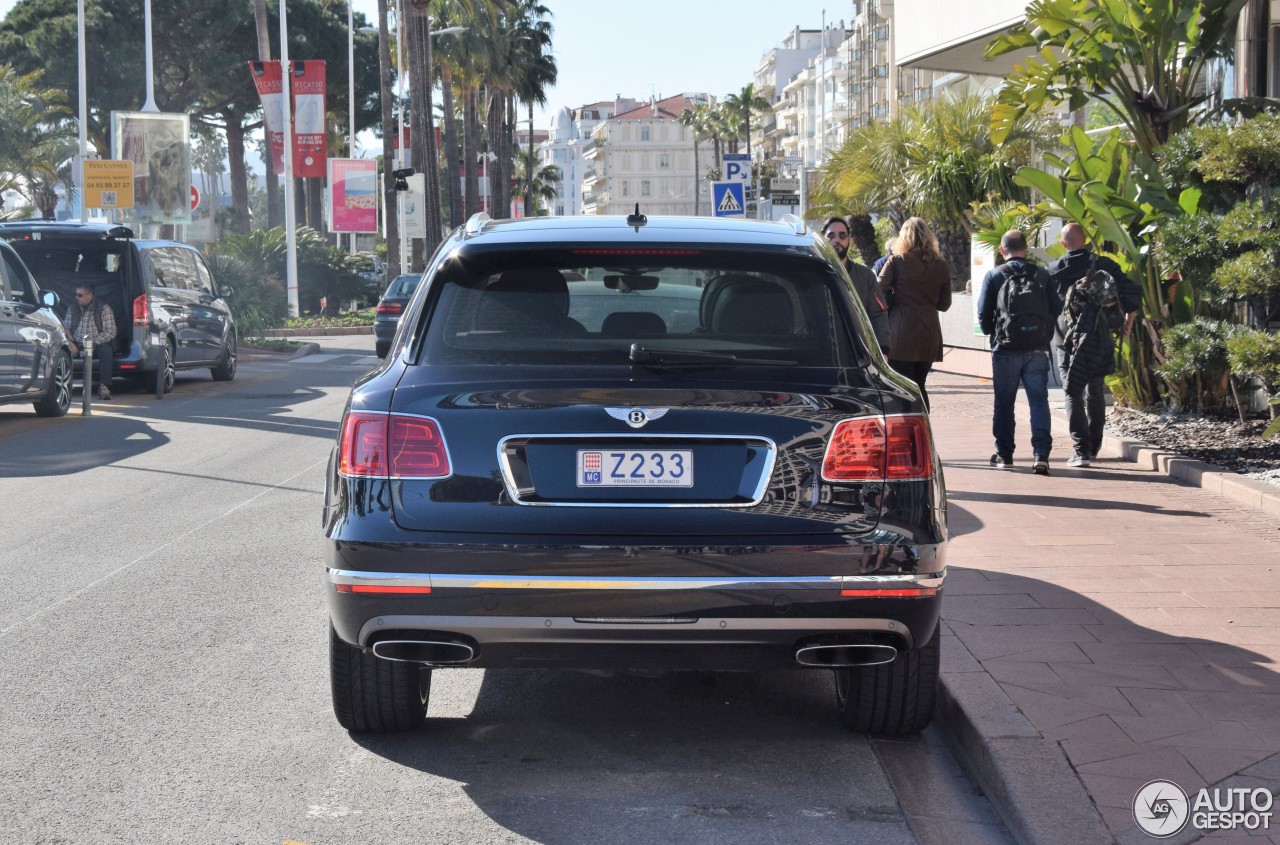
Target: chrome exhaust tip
426, 652
845, 655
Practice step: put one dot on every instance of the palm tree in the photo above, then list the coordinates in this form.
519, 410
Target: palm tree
744, 104
695, 120
34, 137
534, 64
933, 160
540, 181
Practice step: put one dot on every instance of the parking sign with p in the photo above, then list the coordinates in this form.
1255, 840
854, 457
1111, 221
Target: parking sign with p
737, 167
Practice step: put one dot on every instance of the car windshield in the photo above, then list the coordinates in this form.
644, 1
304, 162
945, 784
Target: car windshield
660, 310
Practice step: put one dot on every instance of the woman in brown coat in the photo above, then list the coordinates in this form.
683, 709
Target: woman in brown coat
917, 285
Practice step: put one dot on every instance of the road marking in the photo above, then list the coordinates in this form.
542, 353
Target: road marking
42, 611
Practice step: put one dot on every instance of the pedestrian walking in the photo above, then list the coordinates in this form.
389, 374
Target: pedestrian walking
1017, 309
884, 259
836, 231
1091, 317
1085, 395
916, 285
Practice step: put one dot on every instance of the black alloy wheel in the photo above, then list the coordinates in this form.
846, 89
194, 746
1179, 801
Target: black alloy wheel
57, 398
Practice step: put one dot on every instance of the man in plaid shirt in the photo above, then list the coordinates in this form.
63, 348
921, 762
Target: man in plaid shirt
89, 317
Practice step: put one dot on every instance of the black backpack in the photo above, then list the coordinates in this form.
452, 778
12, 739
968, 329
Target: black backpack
1023, 321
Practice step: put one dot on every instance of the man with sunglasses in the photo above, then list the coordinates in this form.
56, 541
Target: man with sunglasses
89, 317
836, 231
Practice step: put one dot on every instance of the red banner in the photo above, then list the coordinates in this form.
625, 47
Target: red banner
308, 86
266, 78
308, 118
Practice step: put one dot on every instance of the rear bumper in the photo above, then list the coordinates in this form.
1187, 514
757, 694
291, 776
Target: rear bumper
384, 331
720, 623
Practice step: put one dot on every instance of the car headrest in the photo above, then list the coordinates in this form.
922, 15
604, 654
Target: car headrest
752, 307
546, 291
633, 324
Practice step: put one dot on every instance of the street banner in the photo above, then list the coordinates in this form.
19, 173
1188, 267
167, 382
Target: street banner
308, 118
353, 194
158, 148
413, 208
308, 87
266, 78
108, 183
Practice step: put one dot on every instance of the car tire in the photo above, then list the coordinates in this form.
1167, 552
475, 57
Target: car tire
894, 698
372, 695
166, 372
381, 348
57, 398
226, 369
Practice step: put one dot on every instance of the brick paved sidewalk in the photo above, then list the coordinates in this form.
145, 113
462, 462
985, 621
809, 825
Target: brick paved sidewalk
1134, 621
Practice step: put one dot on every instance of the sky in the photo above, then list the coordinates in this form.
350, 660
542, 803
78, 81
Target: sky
639, 48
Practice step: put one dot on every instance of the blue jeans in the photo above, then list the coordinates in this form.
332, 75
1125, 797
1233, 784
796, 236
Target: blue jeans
1031, 370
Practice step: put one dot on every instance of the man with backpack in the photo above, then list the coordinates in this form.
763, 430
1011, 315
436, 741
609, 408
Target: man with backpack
1086, 393
1017, 309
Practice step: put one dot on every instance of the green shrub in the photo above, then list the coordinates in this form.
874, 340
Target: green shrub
259, 299
1254, 353
1196, 366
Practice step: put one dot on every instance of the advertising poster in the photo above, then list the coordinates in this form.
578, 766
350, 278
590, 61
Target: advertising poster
308, 119
266, 78
353, 192
158, 146
413, 208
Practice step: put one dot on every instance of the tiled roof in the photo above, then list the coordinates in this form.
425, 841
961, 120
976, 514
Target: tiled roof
669, 109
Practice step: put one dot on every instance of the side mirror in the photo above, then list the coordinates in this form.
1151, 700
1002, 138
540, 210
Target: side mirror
226, 291
49, 299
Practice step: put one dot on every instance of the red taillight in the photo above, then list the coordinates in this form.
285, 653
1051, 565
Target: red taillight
384, 589
390, 308
141, 311
874, 448
392, 446
891, 593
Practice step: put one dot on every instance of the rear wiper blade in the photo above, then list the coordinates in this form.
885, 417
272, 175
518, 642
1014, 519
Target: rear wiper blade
659, 355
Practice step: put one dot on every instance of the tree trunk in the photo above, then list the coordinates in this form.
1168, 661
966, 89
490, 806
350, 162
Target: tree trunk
528, 194
863, 233
273, 196
425, 158
954, 243
451, 173
239, 174
391, 228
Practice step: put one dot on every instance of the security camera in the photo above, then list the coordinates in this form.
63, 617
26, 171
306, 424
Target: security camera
401, 177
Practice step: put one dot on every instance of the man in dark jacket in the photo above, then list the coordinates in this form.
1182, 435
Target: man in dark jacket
836, 231
1086, 394
1019, 353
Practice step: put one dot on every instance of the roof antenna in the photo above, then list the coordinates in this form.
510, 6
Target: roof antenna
637, 219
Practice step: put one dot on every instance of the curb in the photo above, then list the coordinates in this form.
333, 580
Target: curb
324, 331
1027, 778
305, 350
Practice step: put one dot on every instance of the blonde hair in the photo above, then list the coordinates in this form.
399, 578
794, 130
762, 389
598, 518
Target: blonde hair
916, 238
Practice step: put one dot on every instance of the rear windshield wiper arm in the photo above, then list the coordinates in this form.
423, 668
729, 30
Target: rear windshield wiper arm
658, 355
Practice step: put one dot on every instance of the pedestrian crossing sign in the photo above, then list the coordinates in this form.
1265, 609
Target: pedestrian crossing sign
728, 199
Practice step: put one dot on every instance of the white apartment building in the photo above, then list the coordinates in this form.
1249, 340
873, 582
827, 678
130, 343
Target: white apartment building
569, 135
777, 68
645, 155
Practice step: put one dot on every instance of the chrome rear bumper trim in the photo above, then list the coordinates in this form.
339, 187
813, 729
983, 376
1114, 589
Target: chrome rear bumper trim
559, 582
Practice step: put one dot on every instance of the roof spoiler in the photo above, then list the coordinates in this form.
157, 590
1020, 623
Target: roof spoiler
795, 221
476, 223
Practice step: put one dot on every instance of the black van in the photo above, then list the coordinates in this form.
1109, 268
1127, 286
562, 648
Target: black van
161, 292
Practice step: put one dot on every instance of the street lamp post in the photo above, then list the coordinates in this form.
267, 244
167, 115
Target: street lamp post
291, 234
351, 92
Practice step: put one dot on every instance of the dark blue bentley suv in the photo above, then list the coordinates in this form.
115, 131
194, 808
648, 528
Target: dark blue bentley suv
635, 444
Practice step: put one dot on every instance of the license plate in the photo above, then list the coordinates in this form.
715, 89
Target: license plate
635, 468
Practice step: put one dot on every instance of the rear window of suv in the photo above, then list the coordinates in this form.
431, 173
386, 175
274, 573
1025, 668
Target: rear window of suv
684, 308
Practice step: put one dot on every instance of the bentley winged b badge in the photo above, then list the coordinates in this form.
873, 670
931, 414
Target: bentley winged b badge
636, 417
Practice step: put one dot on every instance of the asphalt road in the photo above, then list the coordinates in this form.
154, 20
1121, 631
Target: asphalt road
164, 671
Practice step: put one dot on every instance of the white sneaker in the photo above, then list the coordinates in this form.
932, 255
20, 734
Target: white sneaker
1077, 460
